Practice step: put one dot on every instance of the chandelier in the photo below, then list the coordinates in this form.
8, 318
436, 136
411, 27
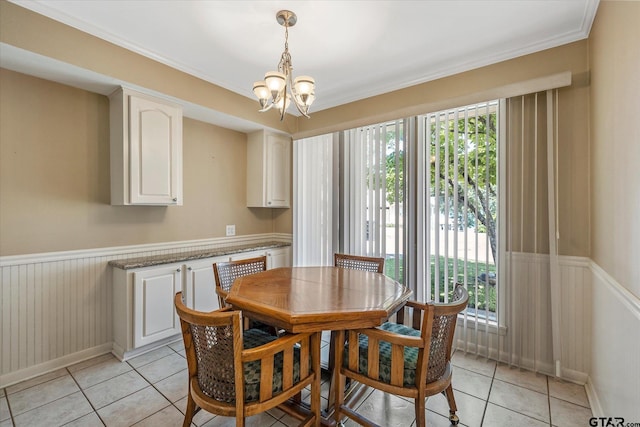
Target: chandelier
274, 90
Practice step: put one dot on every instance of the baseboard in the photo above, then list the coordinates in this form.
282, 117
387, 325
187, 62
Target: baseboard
51, 365
123, 356
594, 402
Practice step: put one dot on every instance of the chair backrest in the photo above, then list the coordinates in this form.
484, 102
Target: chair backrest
354, 262
211, 340
442, 331
443, 327
226, 272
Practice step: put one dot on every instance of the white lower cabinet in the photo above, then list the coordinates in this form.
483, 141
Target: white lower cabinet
154, 315
278, 257
200, 286
144, 315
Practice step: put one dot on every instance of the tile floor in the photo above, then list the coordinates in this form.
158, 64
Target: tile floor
150, 390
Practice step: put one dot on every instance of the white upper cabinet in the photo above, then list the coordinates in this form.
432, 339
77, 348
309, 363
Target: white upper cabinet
146, 150
268, 170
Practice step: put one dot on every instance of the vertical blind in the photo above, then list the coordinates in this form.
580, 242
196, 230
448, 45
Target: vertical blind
371, 192
457, 208
314, 227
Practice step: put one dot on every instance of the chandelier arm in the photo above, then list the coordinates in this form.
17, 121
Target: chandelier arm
267, 108
295, 101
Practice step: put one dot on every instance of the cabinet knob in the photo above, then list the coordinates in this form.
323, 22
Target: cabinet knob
269, 202
179, 270
175, 199
189, 268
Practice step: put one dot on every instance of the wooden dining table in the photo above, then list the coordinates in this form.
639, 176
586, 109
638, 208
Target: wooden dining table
316, 299
312, 299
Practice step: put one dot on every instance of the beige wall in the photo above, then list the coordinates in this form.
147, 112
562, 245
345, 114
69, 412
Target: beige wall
614, 49
54, 177
27, 30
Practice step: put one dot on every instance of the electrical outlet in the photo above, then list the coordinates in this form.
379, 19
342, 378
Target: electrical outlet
231, 230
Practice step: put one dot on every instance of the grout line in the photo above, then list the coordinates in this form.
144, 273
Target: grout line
549, 400
486, 402
86, 397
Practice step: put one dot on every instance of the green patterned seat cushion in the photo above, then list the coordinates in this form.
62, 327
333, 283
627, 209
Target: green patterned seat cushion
254, 338
410, 355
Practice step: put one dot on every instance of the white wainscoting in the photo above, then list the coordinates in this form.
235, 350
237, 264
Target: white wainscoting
614, 379
56, 309
524, 338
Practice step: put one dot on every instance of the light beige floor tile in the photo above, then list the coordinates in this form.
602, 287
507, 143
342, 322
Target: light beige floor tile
260, 420
169, 416
149, 357
471, 383
89, 420
477, 364
199, 419
386, 409
133, 408
163, 368
100, 372
107, 392
497, 416
37, 380
570, 392
174, 387
177, 346
4, 409
436, 420
566, 414
520, 399
41, 394
470, 409
56, 413
6, 423
90, 362
523, 378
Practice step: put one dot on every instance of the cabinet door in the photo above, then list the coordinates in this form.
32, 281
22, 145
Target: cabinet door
154, 314
278, 164
278, 258
155, 138
200, 286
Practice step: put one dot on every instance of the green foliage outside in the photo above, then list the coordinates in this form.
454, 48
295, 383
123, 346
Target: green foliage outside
464, 169
473, 270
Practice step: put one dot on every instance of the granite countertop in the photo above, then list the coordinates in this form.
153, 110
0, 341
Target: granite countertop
149, 261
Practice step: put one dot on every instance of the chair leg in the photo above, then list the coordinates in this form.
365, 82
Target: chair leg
190, 411
420, 410
338, 380
452, 405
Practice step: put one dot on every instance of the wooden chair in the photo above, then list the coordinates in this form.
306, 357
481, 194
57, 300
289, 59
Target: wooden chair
238, 373
408, 361
226, 272
354, 262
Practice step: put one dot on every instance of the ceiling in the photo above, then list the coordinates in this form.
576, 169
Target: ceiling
354, 49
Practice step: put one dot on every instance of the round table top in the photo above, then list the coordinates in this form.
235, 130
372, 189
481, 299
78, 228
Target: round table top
302, 299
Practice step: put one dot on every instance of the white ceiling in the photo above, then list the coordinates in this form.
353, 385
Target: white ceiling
354, 49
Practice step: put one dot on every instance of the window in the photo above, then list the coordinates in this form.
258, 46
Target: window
421, 192
457, 189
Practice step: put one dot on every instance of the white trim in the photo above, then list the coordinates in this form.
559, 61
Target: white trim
594, 401
6, 261
51, 365
628, 299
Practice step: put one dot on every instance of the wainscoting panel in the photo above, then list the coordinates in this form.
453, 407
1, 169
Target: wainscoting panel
56, 308
524, 337
614, 378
